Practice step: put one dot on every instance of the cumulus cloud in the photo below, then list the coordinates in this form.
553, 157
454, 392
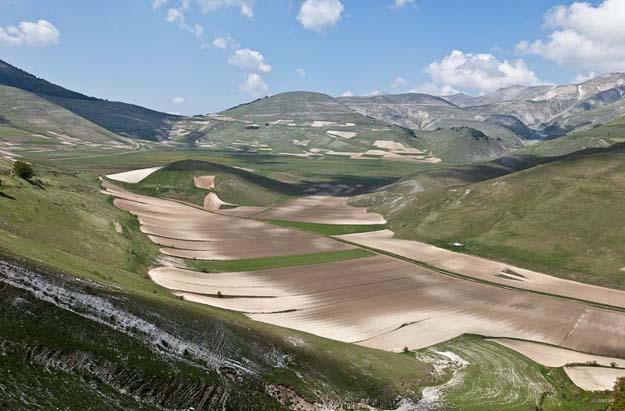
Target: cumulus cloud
178, 100
206, 6
254, 85
158, 3
225, 42
317, 15
584, 36
245, 6
178, 17
347, 94
582, 77
400, 4
300, 72
398, 83
479, 72
250, 60
434, 90
41, 33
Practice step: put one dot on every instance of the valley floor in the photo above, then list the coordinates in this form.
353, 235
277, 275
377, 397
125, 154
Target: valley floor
303, 264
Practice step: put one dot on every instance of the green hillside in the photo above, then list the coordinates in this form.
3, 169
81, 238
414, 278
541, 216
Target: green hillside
125, 119
232, 185
462, 144
302, 123
30, 121
601, 136
562, 218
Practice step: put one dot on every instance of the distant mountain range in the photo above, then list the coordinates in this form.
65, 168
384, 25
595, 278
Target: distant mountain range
36, 115
540, 112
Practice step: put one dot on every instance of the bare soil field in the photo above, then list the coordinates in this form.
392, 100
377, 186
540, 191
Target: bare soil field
483, 269
551, 356
189, 232
381, 301
385, 303
594, 378
342, 134
323, 209
134, 176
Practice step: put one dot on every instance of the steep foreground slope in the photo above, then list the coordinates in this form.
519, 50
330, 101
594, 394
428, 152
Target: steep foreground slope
121, 118
564, 217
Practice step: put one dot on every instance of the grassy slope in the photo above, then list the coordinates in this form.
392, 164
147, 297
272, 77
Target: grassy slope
499, 379
121, 118
253, 264
232, 185
369, 173
68, 226
328, 229
302, 108
562, 218
601, 136
444, 176
28, 112
462, 144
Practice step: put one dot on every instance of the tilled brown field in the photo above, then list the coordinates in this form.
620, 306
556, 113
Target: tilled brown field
488, 270
322, 209
389, 304
189, 232
380, 301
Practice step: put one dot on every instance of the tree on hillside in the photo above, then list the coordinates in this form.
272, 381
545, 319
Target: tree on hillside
618, 395
23, 170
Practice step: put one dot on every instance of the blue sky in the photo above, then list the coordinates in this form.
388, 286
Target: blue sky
160, 53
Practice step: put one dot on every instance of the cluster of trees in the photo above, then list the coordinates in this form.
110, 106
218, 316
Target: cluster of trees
23, 170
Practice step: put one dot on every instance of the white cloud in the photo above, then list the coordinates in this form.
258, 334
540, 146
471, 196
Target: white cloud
250, 60
158, 3
584, 36
347, 94
178, 100
318, 14
479, 72
374, 93
300, 72
582, 77
33, 34
225, 42
254, 85
434, 90
398, 83
245, 6
177, 16
400, 4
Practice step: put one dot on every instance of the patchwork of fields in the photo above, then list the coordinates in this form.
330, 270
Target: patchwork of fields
398, 295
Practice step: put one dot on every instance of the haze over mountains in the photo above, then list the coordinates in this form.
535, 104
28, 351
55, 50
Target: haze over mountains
38, 115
